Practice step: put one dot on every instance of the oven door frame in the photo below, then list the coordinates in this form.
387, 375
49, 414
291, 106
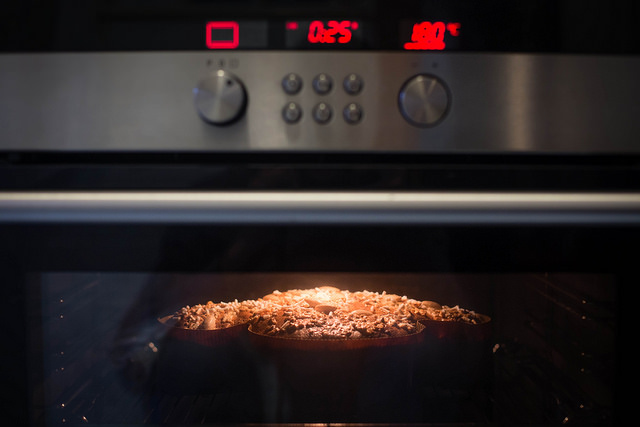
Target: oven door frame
294, 231
322, 208
77, 230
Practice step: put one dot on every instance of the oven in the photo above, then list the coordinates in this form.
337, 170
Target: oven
355, 213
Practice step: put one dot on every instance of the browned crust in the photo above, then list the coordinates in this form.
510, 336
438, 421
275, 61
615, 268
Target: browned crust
323, 313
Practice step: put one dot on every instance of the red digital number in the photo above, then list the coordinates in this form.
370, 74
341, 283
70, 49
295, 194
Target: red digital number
330, 33
345, 32
316, 32
319, 34
430, 36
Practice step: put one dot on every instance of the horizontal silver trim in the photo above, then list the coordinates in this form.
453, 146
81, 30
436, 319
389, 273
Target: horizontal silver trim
293, 208
495, 102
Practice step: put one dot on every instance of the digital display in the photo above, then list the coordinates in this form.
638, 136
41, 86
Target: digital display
420, 26
236, 35
333, 34
430, 35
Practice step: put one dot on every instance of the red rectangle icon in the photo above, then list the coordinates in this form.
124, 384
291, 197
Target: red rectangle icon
223, 35
291, 25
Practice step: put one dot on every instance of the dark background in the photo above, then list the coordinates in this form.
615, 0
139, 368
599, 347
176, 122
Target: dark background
567, 26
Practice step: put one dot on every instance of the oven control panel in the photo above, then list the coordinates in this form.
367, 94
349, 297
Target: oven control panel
220, 98
319, 101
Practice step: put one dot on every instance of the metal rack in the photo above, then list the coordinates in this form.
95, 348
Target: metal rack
534, 377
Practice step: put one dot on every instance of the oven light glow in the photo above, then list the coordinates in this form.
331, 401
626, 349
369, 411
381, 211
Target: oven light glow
430, 35
222, 34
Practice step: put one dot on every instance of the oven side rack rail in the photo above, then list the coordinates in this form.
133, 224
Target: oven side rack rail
293, 208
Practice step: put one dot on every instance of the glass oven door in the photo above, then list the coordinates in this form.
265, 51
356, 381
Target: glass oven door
91, 279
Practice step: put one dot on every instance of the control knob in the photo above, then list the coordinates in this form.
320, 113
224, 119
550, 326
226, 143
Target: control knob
424, 100
220, 98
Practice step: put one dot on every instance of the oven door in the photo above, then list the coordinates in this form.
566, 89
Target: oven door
88, 276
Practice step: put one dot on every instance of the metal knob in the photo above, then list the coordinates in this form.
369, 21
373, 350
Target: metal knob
291, 112
220, 98
353, 84
292, 83
322, 113
352, 113
322, 84
424, 100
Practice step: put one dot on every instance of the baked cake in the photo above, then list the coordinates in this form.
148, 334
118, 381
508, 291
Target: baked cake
323, 313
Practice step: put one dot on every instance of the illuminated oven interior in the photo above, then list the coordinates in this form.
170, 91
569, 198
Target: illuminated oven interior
546, 355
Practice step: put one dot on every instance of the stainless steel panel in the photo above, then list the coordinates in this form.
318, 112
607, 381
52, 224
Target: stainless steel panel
143, 101
296, 208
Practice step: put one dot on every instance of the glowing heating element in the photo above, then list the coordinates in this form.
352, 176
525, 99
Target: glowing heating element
430, 35
223, 35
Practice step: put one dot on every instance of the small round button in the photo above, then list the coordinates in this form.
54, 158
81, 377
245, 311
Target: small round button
291, 112
352, 84
322, 83
220, 98
352, 113
292, 83
322, 113
423, 100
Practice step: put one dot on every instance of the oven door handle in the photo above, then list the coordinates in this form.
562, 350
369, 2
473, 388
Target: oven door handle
290, 208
